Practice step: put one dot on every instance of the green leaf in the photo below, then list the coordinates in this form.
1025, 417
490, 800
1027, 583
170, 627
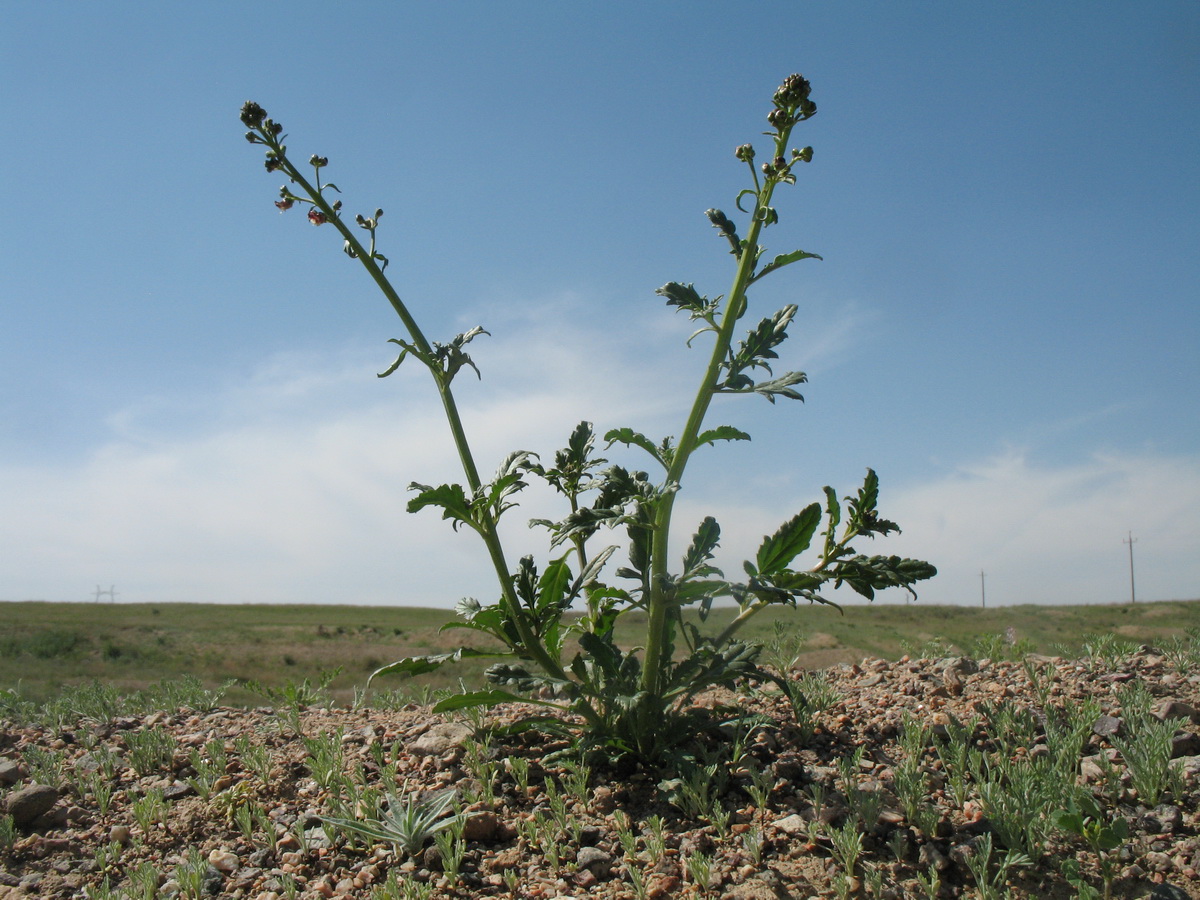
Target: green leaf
721, 433
781, 387
420, 665
792, 539
450, 498
628, 437
782, 260
705, 541
473, 699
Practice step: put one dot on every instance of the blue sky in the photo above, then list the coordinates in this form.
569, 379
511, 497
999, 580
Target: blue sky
1005, 323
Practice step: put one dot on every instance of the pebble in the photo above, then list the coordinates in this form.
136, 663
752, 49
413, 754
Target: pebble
28, 803
223, 861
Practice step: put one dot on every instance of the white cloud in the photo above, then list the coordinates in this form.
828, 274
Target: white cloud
290, 486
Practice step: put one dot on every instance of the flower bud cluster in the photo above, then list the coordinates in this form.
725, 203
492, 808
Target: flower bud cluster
745, 153
792, 104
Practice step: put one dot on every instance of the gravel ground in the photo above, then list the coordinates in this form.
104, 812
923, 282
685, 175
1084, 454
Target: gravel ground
243, 793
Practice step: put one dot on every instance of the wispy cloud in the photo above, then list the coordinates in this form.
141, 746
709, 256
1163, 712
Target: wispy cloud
290, 486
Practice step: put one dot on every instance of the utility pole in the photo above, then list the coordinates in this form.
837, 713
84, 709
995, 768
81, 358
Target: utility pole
982, 591
1131, 541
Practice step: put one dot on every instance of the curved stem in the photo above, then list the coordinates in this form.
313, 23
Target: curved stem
491, 538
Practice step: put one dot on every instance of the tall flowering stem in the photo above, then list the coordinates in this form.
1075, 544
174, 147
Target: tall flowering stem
269, 133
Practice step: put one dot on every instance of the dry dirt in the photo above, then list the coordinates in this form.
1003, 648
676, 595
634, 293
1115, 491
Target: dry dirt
72, 847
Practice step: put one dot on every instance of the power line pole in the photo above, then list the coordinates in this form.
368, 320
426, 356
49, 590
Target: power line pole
1131, 541
982, 591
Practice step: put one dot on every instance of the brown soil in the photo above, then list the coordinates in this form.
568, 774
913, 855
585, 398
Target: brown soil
59, 854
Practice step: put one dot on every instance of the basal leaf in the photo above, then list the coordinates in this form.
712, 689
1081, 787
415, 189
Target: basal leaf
473, 699
792, 539
420, 665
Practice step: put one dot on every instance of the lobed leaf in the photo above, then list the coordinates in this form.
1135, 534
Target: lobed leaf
792, 539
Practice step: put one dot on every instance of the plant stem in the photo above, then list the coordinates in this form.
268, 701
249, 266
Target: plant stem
661, 603
487, 530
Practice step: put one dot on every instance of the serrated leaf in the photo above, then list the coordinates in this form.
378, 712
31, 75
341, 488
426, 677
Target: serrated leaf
782, 260
721, 433
792, 539
450, 498
704, 542
685, 296
629, 437
421, 665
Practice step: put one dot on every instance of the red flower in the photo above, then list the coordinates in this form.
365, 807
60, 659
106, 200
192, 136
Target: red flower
317, 217
286, 203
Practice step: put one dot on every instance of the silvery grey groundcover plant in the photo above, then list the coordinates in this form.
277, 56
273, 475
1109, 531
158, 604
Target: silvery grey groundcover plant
631, 700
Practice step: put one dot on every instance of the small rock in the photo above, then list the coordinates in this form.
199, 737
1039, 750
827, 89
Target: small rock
1163, 819
1184, 743
1167, 892
585, 878
794, 825
1175, 709
603, 800
119, 834
441, 739
223, 861
1157, 862
597, 861
932, 856
481, 827
10, 771
29, 803
1106, 726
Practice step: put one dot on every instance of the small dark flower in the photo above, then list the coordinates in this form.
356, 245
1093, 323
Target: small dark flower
272, 162
745, 153
252, 114
779, 118
274, 127
804, 155
318, 162
779, 162
253, 138
317, 217
285, 203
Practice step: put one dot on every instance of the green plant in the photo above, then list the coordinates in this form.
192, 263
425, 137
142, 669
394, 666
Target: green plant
979, 862
46, 767
99, 787
846, 844
189, 874
629, 701
452, 848
409, 823
149, 810
809, 696
1145, 745
1084, 817
208, 766
150, 750
255, 757
8, 832
144, 882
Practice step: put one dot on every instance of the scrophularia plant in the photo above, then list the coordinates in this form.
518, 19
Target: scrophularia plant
631, 700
